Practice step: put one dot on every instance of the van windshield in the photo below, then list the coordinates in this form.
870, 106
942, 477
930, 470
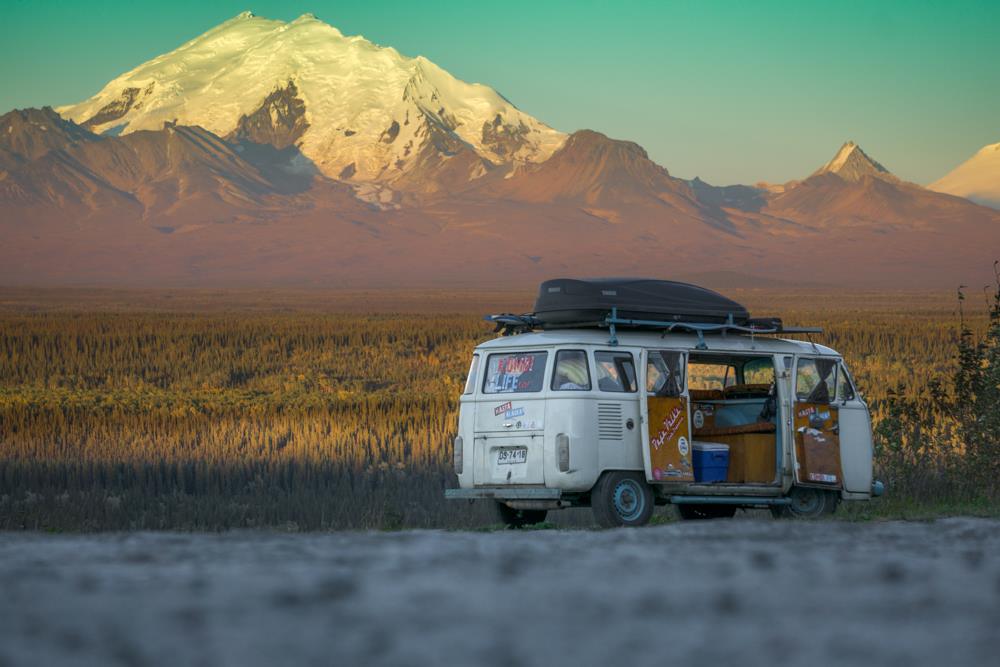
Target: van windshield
515, 372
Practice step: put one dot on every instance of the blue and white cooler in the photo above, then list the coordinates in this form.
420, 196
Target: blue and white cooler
710, 461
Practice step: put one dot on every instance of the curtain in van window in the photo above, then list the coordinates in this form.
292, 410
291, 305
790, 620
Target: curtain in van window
664, 373
816, 380
571, 372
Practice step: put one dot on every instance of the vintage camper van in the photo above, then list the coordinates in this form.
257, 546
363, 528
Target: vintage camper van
623, 394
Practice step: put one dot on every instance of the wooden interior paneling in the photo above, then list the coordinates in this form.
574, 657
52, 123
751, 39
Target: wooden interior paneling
752, 457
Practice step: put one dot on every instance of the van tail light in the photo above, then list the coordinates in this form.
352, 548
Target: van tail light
459, 462
562, 451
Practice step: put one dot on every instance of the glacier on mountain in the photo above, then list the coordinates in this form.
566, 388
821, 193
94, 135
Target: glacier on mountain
367, 113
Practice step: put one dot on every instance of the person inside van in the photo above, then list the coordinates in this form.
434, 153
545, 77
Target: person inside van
607, 377
615, 372
565, 384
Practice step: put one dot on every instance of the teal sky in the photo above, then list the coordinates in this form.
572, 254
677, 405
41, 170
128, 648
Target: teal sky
734, 92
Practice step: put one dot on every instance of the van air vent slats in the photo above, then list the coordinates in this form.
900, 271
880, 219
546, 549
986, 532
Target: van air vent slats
609, 421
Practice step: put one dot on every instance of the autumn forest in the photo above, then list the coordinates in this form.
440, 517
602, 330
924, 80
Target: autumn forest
299, 410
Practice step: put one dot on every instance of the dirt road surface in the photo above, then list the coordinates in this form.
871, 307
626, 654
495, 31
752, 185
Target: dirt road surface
750, 592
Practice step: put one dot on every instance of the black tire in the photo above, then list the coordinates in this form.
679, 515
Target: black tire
513, 518
691, 512
807, 503
621, 499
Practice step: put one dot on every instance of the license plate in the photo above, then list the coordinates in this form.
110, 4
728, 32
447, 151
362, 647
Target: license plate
512, 456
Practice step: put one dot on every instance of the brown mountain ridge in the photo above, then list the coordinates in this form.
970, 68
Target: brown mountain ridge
181, 206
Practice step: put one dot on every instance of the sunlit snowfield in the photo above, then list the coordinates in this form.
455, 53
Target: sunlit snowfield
748, 591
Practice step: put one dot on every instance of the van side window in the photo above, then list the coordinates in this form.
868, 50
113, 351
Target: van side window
845, 390
615, 371
710, 376
664, 373
470, 381
571, 372
515, 372
759, 371
816, 380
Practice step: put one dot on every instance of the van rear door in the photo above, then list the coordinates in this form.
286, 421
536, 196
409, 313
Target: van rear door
510, 419
666, 433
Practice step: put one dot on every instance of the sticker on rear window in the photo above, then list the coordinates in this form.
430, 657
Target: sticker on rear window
518, 372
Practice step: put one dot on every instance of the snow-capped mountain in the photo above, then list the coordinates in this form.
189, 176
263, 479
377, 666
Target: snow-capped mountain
978, 178
266, 153
358, 111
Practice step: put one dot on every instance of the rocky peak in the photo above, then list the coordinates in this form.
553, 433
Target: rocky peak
851, 163
30, 133
279, 121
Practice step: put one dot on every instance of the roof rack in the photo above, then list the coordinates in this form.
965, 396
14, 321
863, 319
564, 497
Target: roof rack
508, 324
771, 325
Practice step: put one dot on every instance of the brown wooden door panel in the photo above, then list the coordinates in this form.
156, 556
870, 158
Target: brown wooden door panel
817, 445
669, 439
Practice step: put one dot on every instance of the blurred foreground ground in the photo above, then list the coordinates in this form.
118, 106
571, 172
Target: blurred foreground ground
751, 591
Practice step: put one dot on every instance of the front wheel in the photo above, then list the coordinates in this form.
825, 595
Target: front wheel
513, 518
621, 499
807, 503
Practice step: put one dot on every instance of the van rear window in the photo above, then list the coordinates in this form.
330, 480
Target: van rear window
470, 381
515, 373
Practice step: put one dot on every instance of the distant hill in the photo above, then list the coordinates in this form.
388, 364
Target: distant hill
733, 279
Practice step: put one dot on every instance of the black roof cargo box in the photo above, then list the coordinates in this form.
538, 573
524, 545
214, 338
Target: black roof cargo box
567, 301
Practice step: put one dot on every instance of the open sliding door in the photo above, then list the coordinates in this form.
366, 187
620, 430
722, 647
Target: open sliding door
817, 424
666, 436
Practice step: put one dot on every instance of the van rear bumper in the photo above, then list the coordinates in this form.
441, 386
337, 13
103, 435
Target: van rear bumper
503, 493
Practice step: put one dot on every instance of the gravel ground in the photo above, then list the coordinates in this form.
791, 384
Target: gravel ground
695, 593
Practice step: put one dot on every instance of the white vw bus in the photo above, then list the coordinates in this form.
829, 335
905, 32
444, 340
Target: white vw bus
624, 394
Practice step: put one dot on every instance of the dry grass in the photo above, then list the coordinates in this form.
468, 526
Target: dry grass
214, 409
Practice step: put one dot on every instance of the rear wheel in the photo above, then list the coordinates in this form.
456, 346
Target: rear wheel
691, 512
513, 518
621, 499
807, 503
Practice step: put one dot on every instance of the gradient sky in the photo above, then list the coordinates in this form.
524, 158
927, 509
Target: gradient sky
733, 92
